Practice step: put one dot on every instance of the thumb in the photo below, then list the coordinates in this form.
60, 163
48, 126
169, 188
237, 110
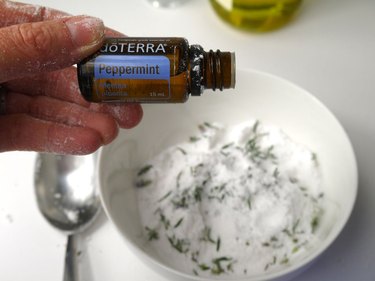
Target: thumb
31, 48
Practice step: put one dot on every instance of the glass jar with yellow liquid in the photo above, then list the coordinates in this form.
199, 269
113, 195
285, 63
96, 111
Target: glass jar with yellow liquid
256, 15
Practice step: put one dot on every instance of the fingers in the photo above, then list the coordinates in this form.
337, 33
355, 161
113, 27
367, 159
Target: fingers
70, 114
63, 85
15, 13
126, 115
24, 132
35, 40
32, 48
12, 13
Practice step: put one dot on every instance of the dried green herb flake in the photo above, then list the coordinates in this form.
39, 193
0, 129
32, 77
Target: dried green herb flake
144, 170
152, 234
178, 223
143, 183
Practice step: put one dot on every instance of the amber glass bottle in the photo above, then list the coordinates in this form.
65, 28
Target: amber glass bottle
153, 70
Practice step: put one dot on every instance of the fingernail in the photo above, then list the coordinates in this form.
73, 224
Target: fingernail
85, 31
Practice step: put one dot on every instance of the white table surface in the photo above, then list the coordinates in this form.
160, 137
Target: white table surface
329, 50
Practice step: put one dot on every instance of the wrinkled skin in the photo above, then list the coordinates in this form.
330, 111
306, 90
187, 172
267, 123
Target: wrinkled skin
44, 110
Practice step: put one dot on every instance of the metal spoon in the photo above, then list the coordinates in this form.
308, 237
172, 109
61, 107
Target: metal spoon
67, 197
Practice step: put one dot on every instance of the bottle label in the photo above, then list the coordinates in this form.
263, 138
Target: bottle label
226, 4
135, 76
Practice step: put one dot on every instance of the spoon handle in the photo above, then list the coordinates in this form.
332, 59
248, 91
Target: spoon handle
70, 270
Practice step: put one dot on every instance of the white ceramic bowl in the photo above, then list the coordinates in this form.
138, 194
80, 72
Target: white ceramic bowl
257, 95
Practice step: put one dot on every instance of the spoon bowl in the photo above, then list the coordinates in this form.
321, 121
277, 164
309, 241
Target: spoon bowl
67, 196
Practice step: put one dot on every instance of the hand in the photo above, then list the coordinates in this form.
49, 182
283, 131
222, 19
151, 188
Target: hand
44, 110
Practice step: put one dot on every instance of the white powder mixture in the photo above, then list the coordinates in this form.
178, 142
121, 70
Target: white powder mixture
233, 201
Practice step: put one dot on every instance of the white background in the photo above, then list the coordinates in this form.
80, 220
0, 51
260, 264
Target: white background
329, 50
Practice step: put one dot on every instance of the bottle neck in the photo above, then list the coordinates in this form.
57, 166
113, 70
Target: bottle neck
210, 70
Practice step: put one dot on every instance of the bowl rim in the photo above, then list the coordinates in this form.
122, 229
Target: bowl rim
294, 267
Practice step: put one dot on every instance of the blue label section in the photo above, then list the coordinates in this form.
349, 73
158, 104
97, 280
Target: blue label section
132, 67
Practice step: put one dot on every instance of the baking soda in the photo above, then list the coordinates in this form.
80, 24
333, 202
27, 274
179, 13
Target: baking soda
237, 201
